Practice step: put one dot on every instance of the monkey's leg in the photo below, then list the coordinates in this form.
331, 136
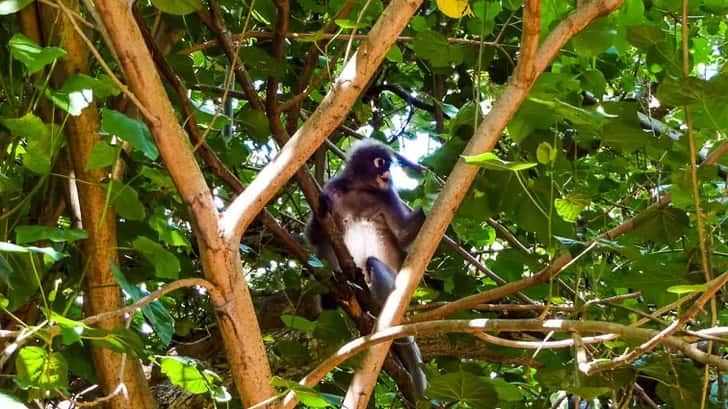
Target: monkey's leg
381, 279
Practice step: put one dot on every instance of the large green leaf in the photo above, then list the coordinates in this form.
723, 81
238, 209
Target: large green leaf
125, 200
41, 145
39, 369
29, 234
131, 130
158, 316
185, 373
80, 90
10, 7
102, 155
166, 265
33, 56
489, 160
464, 388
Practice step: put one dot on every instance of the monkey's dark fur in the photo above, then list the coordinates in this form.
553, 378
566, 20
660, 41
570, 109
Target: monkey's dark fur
377, 229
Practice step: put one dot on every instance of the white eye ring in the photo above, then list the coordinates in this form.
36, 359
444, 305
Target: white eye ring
378, 162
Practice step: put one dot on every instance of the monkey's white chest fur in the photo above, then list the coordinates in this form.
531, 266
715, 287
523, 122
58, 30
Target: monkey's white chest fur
383, 248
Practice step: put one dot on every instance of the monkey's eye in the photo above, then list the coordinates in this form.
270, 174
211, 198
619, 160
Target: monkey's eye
379, 162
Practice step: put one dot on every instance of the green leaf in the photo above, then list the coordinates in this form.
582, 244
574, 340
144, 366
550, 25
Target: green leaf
5, 270
102, 155
29, 234
465, 388
52, 253
121, 340
687, 288
394, 54
42, 370
131, 130
681, 91
596, 38
158, 316
255, 124
348, 24
166, 265
632, 12
10, 7
167, 232
184, 372
571, 205
261, 64
298, 323
71, 330
33, 56
41, 145
489, 160
125, 201
10, 401
80, 90
431, 46
645, 36
307, 396
178, 7
545, 153
662, 225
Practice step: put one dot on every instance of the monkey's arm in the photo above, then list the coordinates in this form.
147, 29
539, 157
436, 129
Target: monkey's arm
403, 222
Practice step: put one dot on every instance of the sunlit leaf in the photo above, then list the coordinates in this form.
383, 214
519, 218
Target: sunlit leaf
687, 288
185, 373
33, 56
37, 368
489, 160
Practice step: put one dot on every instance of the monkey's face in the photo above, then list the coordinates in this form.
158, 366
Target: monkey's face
384, 177
371, 165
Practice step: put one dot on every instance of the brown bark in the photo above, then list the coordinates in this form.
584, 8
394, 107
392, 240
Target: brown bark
220, 260
99, 249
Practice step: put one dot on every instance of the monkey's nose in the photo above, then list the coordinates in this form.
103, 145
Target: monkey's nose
383, 180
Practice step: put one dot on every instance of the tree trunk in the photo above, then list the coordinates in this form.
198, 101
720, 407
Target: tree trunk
220, 260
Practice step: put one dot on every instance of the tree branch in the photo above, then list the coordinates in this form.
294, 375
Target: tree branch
495, 325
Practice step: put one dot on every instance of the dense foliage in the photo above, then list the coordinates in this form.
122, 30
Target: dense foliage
605, 140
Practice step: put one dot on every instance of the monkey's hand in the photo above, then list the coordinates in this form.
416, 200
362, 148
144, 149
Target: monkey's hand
418, 217
325, 204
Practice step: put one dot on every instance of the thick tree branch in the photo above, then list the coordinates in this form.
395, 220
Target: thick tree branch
220, 258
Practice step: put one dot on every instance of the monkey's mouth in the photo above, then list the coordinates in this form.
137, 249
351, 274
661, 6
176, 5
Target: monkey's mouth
383, 180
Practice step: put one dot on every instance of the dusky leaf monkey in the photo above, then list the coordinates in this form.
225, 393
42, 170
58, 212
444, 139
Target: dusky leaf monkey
377, 229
